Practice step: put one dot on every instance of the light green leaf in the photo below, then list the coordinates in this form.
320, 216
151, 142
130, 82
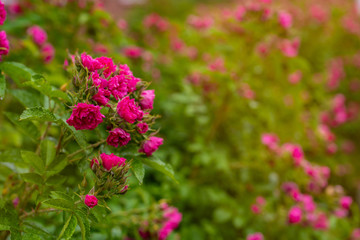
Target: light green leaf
48, 151
84, 225
78, 135
38, 113
55, 180
27, 98
11, 155
17, 71
32, 178
61, 195
138, 169
34, 160
69, 228
28, 128
61, 204
2, 86
159, 165
57, 165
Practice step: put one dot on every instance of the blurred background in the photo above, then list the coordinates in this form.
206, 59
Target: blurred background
259, 103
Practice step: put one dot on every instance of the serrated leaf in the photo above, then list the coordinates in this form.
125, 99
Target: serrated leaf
56, 166
38, 113
34, 160
61, 195
32, 178
30, 236
159, 165
11, 155
55, 180
2, 86
9, 220
48, 151
61, 204
69, 228
138, 169
28, 128
78, 135
84, 225
27, 98
30, 228
17, 71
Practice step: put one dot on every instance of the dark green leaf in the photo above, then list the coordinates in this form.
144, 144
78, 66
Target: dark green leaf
48, 151
138, 169
27, 98
55, 180
61, 204
57, 165
34, 160
159, 165
61, 195
78, 135
11, 155
69, 228
38, 113
32, 178
28, 128
17, 71
84, 225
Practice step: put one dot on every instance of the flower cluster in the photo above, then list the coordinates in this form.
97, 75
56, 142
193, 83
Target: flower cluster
123, 99
168, 221
39, 37
4, 43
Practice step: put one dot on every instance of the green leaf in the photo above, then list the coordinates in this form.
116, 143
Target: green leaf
38, 113
9, 220
27, 98
69, 228
159, 165
61, 204
55, 180
61, 195
28, 128
138, 169
84, 225
11, 155
32, 178
2, 86
30, 228
48, 151
57, 165
78, 135
30, 236
34, 160
17, 71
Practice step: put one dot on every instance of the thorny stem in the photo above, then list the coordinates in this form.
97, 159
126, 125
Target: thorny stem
43, 137
83, 149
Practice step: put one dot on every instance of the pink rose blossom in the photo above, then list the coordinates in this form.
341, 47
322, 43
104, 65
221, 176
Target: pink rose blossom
285, 19
109, 66
85, 116
128, 110
142, 127
122, 24
118, 137
255, 236
154, 20
200, 22
94, 161
290, 47
102, 97
294, 215
15, 8
90, 201
47, 52
110, 161
255, 209
355, 235
132, 52
4, 43
118, 86
319, 13
240, 13
321, 222
2, 13
345, 202
147, 99
341, 213
151, 145
270, 140
90, 63
38, 35
295, 77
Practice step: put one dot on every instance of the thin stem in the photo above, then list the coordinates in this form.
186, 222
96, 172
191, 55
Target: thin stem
83, 149
34, 212
43, 137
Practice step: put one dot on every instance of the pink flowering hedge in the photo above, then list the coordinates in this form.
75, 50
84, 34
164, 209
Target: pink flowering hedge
254, 104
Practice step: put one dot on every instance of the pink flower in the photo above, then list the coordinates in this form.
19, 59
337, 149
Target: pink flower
154, 20
100, 48
151, 145
118, 137
132, 52
308, 203
172, 220
118, 86
47, 52
199, 22
355, 235
294, 215
85, 116
90, 201
147, 99
341, 213
122, 24
109, 66
102, 96
255, 209
128, 110
38, 35
321, 222
319, 13
297, 154
345, 202
270, 140
240, 13
290, 47
110, 161
142, 127
295, 77
15, 202
15, 8
4, 44
285, 19
2, 13
90, 63
94, 161
255, 236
